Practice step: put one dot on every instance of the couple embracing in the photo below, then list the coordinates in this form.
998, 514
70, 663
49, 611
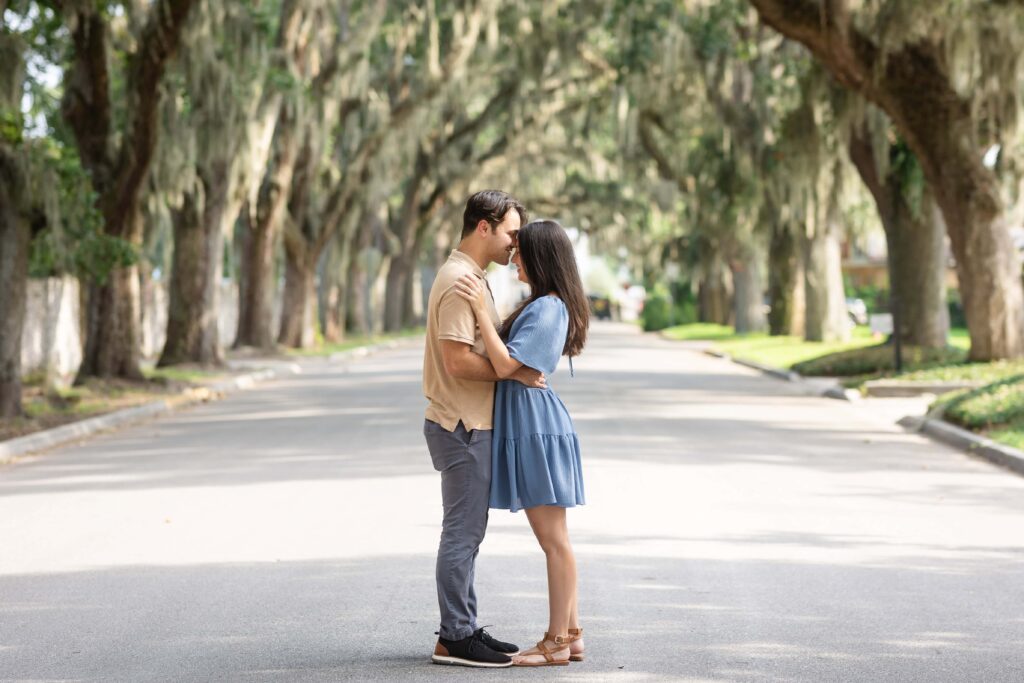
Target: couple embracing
499, 436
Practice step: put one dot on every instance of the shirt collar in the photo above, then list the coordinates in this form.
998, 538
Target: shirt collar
465, 258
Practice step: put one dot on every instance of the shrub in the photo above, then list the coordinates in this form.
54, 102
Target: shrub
993, 404
876, 359
875, 298
657, 313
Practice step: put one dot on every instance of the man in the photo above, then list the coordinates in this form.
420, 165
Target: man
458, 380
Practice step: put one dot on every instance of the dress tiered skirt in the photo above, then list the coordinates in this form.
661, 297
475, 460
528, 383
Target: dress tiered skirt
535, 453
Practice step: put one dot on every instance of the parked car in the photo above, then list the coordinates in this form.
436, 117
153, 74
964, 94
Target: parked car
600, 307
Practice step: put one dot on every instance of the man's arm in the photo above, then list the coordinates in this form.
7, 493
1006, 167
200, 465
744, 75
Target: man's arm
460, 361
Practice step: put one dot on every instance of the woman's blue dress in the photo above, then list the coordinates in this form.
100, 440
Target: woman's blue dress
535, 452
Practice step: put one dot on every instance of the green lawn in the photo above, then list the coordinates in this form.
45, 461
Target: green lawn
786, 351
699, 331
1011, 434
48, 407
186, 374
981, 372
996, 409
778, 352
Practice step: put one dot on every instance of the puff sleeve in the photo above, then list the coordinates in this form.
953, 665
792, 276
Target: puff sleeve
538, 335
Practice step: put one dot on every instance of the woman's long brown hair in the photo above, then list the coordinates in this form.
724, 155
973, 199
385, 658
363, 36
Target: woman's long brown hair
547, 255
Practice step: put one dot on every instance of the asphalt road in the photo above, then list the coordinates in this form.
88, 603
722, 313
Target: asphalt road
736, 530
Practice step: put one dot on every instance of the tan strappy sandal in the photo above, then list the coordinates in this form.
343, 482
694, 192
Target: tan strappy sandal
561, 643
574, 635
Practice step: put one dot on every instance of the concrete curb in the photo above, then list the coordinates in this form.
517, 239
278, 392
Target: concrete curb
50, 438
834, 390
887, 388
940, 430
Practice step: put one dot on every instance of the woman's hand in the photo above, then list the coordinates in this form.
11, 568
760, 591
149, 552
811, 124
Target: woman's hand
472, 289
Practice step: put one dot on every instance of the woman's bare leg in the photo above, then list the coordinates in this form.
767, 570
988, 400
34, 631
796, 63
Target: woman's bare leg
574, 623
549, 526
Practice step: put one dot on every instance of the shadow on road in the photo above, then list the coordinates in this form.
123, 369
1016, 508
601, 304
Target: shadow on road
372, 619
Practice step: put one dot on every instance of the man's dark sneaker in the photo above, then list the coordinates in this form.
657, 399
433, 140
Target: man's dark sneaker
495, 644
470, 651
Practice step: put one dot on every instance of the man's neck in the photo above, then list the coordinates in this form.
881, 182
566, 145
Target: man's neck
474, 252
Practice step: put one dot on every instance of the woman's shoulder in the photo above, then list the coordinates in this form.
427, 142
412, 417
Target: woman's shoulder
549, 301
546, 306
547, 312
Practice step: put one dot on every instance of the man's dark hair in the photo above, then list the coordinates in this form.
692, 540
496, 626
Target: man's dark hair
490, 206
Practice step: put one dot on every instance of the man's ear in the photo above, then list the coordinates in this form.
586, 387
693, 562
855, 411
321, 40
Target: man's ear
483, 227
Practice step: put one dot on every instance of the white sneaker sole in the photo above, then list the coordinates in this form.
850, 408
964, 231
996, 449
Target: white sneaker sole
458, 661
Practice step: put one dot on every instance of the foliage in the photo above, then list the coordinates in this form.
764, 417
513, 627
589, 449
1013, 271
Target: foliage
666, 308
67, 227
905, 166
957, 317
875, 298
997, 403
877, 360
71, 239
967, 372
677, 134
657, 313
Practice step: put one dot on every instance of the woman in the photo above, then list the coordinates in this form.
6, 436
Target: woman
535, 452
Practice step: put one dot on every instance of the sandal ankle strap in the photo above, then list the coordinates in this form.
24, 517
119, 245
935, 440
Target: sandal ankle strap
561, 643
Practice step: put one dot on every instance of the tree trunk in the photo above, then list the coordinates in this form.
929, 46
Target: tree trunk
331, 294
15, 233
826, 317
192, 330
914, 86
397, 292
785, 281
118, 170
713, 296
15, 236
748, 286
916, 247
917, 274
415, 311
410, 317
357, 293
112, 341
255, 311
340, 269
298, 302
256, 287
405, 229
713, 299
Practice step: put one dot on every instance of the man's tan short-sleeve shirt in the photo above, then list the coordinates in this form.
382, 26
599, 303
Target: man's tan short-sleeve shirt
451, 318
